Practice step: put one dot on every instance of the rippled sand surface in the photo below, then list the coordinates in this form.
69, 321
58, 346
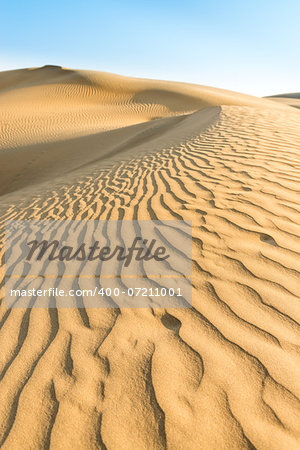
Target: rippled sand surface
224, 374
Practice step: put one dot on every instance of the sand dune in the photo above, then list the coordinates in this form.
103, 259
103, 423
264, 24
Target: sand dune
51, 103
287, 99
224, 374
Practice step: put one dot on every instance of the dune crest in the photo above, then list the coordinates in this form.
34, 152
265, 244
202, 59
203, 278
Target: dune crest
52, 103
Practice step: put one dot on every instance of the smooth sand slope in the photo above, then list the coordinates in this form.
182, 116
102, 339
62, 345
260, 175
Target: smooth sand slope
224, 374
287, 99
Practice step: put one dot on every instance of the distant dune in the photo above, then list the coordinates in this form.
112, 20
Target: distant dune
224, 374
287, 99
51, 103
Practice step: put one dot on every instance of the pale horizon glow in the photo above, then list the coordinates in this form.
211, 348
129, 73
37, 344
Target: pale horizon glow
249, 46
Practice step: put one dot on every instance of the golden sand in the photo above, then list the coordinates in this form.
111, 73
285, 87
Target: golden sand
222, 375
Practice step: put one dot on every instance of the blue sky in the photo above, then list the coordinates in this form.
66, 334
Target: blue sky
249, 46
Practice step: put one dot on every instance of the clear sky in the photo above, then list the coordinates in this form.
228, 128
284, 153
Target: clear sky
251, 46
